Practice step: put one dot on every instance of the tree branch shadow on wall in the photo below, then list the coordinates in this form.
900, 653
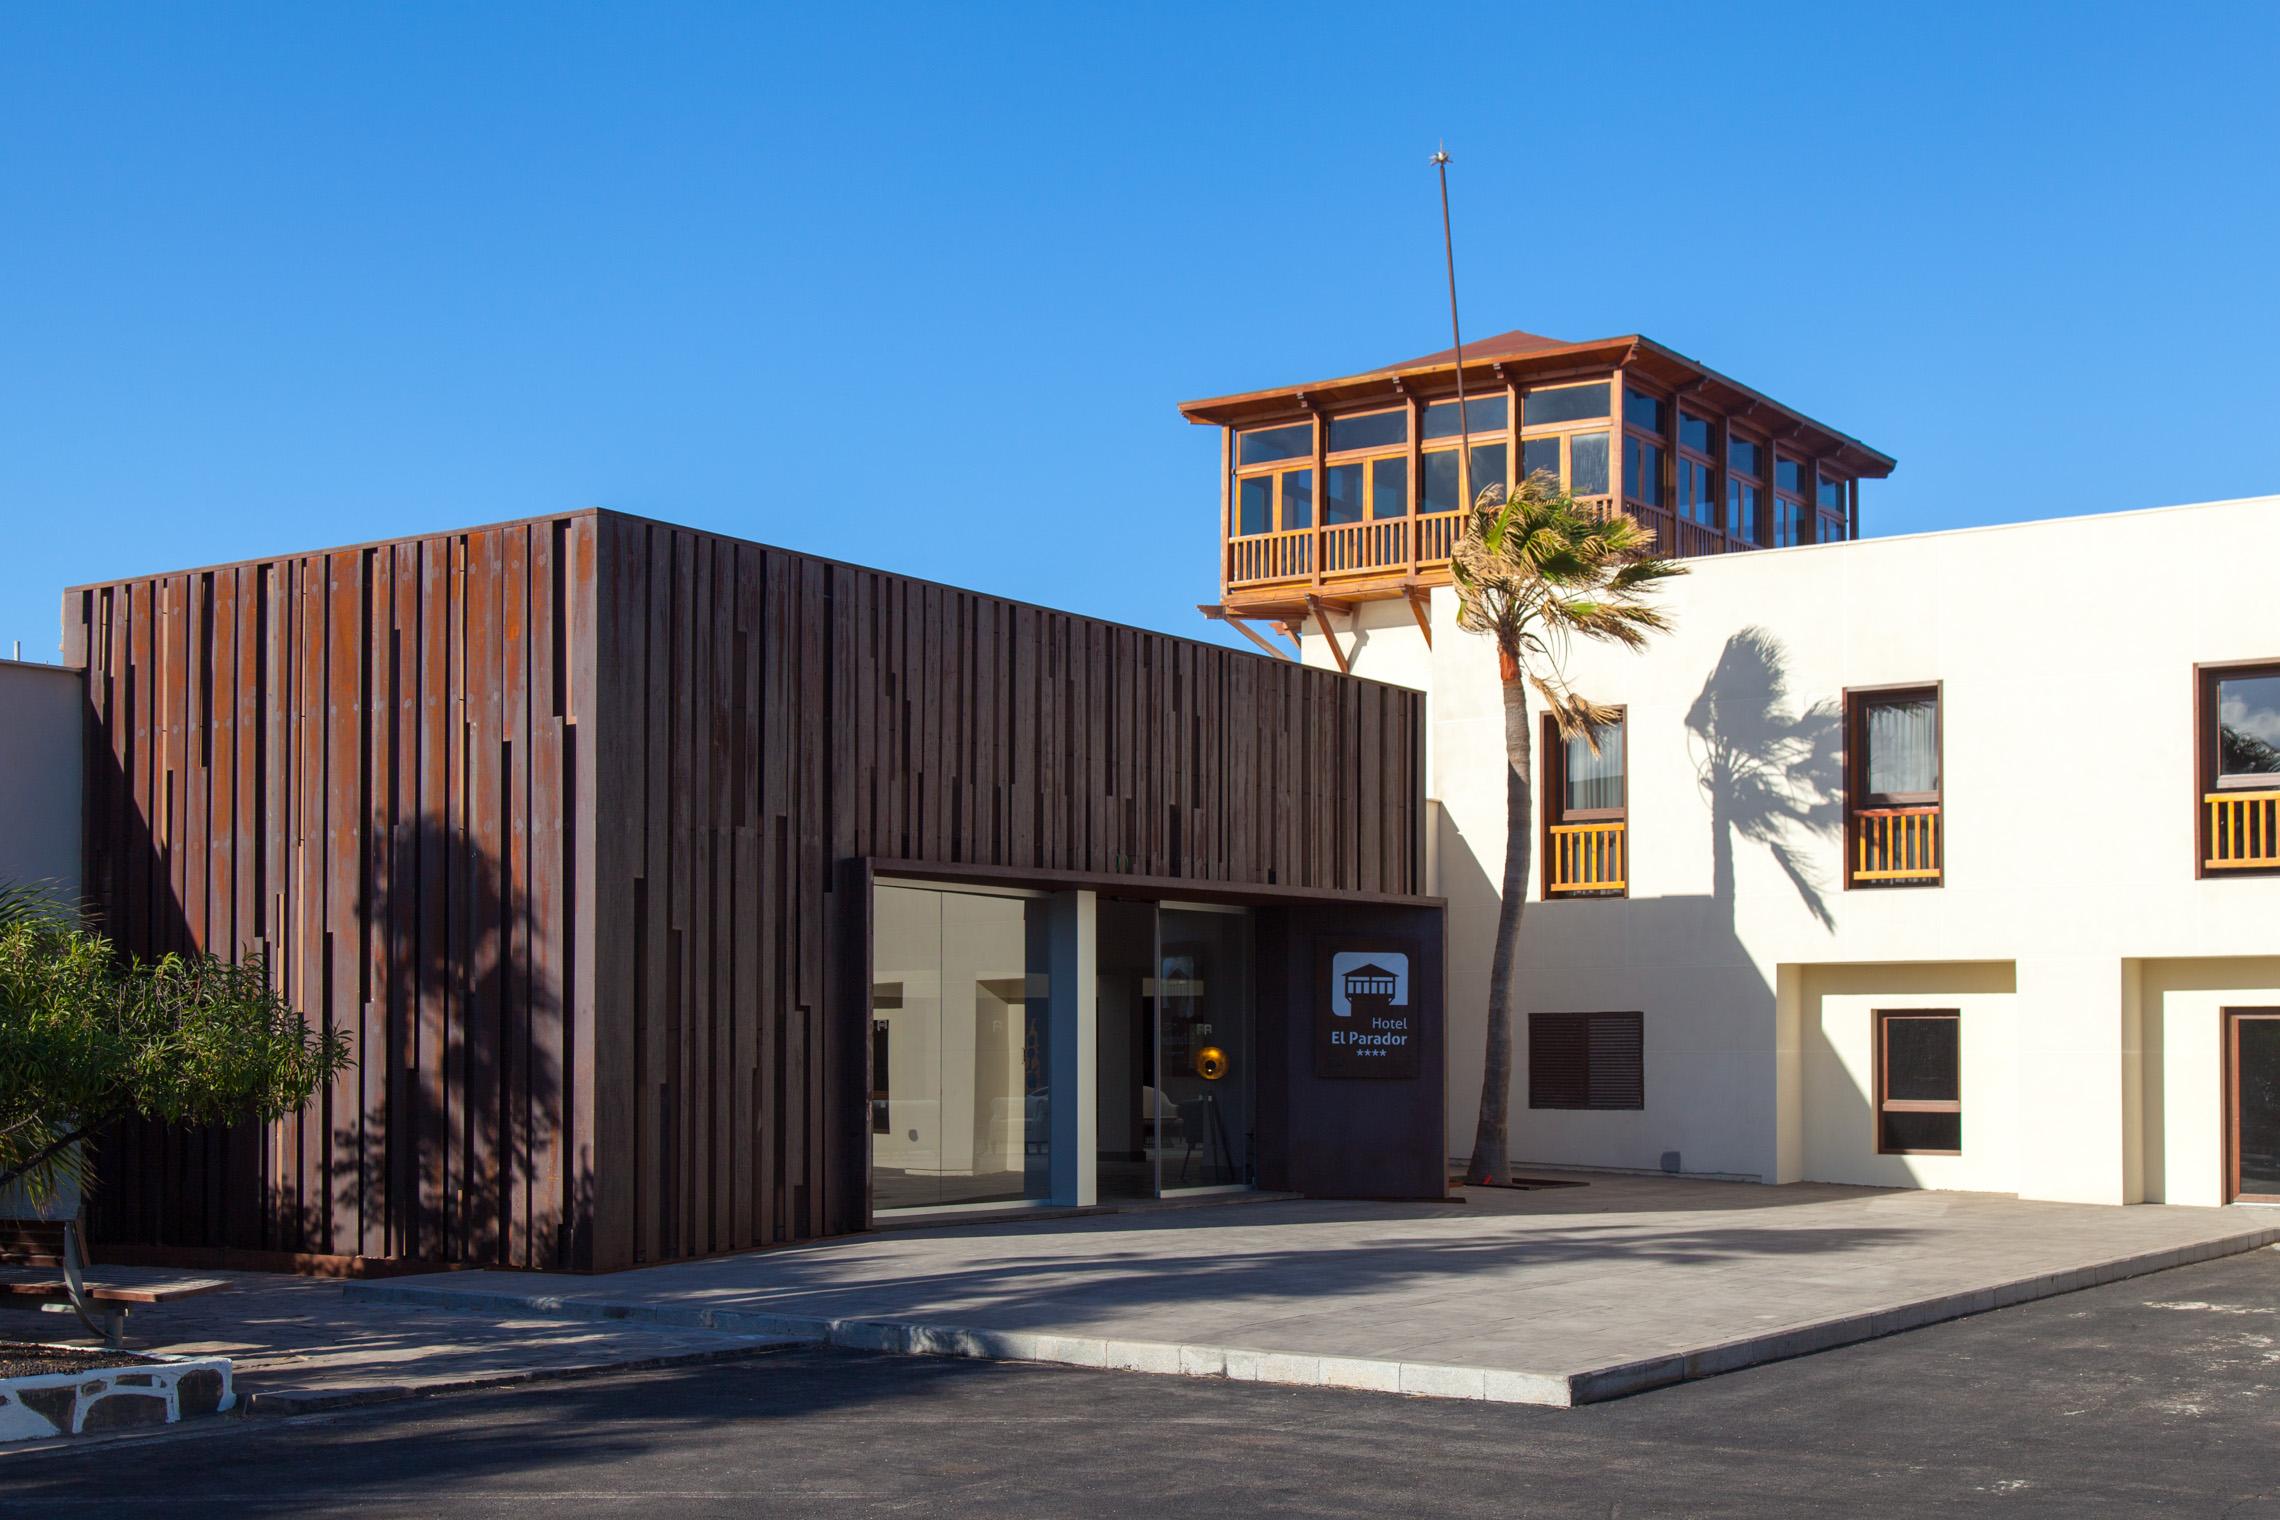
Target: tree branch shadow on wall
1772, 776
448, 1139
464, 1155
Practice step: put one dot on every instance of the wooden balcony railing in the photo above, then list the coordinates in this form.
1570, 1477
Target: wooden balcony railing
1437, 536
2244, 831
1365, 547
1694, 540
1587, 857
1395, 546
1287, 556
1900, 844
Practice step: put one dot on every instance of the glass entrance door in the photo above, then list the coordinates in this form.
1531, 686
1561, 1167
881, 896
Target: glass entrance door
960, 1096
1205, 1049
2252, 1096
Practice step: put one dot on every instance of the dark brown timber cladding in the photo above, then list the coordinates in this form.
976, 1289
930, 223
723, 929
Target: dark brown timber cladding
560, 822
365, 764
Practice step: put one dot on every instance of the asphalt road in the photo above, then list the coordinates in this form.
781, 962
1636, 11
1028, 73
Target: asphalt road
2157, 1394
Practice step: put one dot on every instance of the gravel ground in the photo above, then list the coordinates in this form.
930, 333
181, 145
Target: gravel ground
25, 1359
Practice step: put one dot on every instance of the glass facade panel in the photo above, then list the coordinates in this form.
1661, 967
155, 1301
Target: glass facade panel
1742, 510
1298, 498
1488, 464
2256, 1105
959, 1114
1270, 444
1697, 433
1922, 1059
1587, 464
1697, 493
1373, 430
1789, 475
1566, 403
1540, 456
1643, 411
1488, 414
1788, 522
1592, 782
1204, 1049
1342, 494
1915, 1129
1389, 487
1832, 498
1255, 504
1903, 741
1642, 471
1444, 482
2248, 726
1746, 458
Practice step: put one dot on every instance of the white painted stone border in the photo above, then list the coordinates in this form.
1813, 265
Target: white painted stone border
1502, 1385
160, 1377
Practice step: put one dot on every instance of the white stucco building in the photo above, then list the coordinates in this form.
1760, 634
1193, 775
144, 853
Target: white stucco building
2075, 928
1945, 860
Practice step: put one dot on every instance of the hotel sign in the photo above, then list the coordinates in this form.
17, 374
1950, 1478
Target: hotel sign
1365, 1024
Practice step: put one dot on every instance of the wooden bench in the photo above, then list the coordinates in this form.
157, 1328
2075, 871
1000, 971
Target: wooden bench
54, 1245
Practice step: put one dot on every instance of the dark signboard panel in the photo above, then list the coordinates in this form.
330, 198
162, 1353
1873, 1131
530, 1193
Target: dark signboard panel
1365, 1023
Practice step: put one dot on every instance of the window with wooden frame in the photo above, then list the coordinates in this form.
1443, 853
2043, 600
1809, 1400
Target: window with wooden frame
1366, 474
1697, 469
1833, 525
1274, 493
2238, 783
1578, 461
1587, 847
1643, 453
1919, 1082
1892, 787
1745, 489
1587, 1060
1564, 434
1790, 519
1449, 486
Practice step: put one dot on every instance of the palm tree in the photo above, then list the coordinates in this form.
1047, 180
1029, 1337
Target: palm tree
1536, 572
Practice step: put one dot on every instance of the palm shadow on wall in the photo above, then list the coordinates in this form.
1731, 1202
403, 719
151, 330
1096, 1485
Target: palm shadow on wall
1773, 776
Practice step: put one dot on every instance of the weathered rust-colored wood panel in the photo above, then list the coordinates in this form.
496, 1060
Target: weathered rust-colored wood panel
799, 715
560, 822
353, 763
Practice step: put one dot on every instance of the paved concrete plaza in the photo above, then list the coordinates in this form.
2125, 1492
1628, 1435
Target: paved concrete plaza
2145, 1397
300, 1343
1555, 1297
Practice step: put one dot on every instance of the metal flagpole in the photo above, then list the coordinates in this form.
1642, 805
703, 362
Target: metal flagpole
1456, 338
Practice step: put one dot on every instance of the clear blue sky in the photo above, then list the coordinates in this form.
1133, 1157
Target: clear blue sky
920, 288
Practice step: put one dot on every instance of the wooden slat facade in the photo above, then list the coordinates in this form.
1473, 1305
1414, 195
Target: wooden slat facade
562, 822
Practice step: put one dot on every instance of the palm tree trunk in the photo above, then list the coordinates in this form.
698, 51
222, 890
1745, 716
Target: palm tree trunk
1492, 1140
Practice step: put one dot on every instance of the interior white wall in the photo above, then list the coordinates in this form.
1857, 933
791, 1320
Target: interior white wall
2066, 870
40, 726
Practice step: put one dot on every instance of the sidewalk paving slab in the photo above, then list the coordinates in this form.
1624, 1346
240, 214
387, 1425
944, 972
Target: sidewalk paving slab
1558, 1297
300, 1344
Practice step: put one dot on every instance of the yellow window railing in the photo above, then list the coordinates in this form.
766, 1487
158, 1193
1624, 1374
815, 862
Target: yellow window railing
1587, 857
1896, 844
2244, 830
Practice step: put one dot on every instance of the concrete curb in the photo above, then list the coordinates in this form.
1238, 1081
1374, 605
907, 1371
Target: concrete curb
292, 1401
1501, 1385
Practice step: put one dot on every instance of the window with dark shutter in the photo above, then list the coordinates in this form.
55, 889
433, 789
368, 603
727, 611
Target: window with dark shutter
1587, 1060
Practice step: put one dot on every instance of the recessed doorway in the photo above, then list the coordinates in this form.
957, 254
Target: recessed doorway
1176, 1081
2252, 1105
